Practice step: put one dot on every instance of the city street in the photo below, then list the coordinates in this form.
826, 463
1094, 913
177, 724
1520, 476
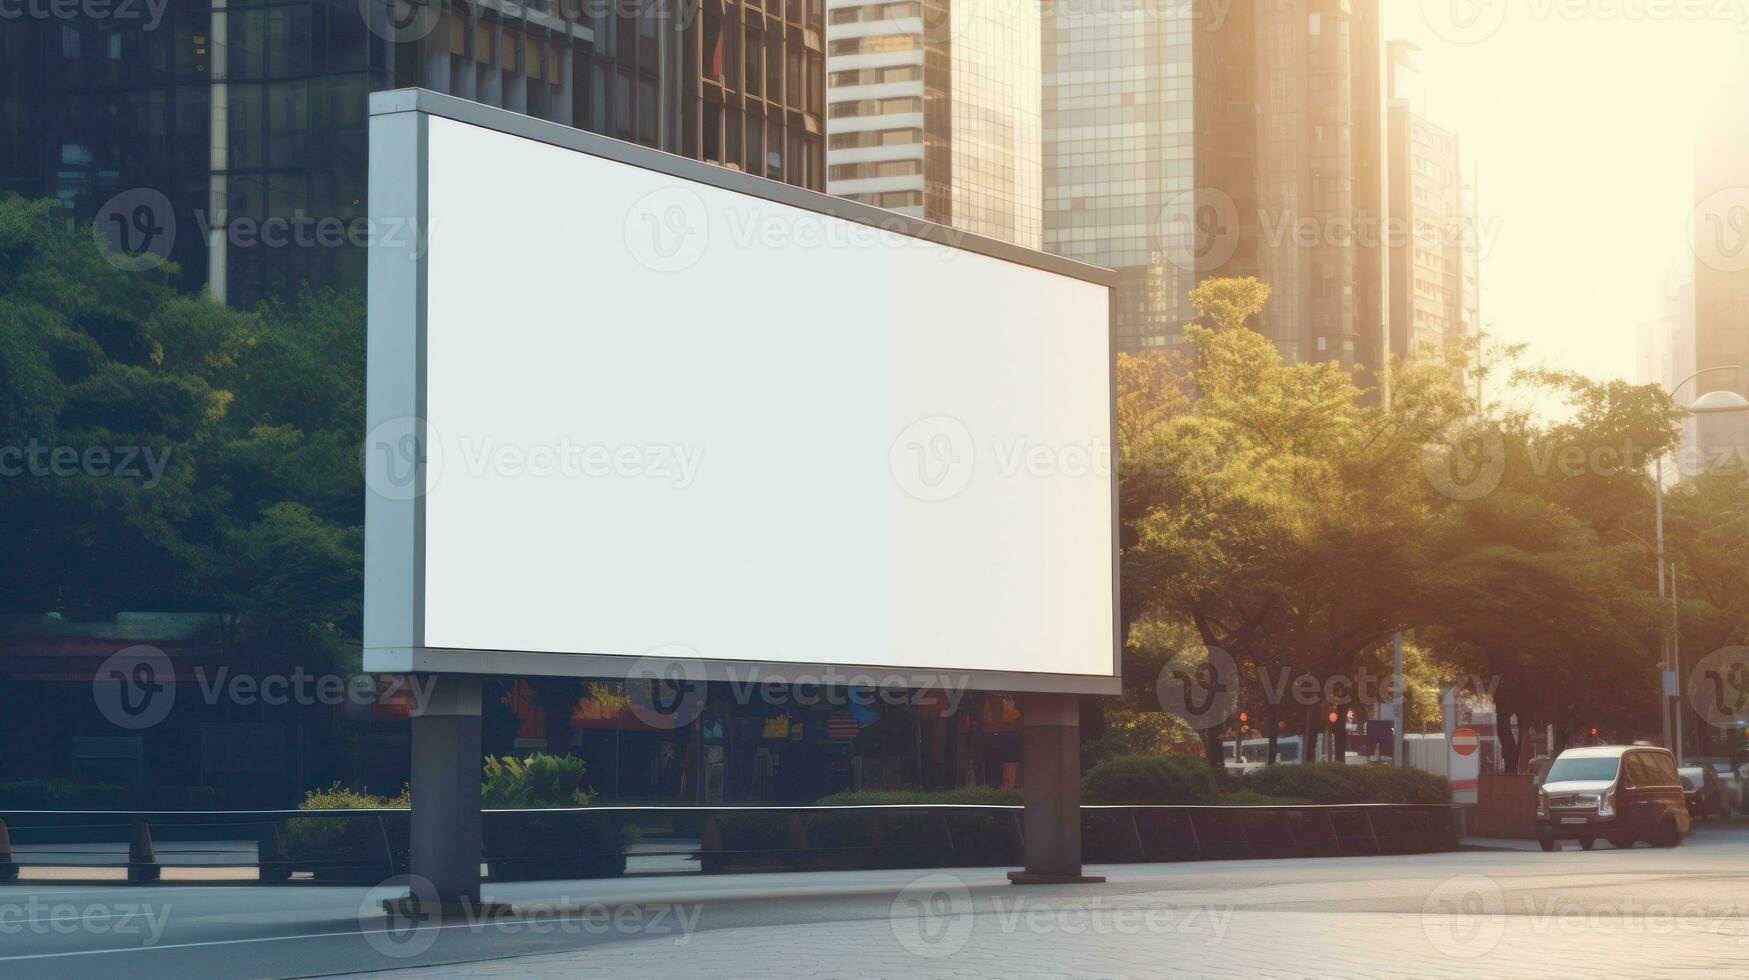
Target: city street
1498, 912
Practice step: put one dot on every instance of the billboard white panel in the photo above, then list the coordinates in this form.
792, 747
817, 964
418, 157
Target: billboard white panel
662, 411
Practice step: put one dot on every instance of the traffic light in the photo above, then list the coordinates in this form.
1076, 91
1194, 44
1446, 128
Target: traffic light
1332, 717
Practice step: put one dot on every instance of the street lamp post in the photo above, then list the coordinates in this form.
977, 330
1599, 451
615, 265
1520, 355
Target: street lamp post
1712, 403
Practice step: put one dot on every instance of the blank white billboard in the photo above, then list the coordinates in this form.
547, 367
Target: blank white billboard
666, 406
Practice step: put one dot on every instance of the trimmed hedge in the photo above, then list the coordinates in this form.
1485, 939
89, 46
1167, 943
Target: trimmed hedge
56, 793
1186, 779
966, 795
1326, 782
1150, 779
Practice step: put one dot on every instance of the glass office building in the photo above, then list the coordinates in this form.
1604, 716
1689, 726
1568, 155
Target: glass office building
933, 111
1120, 153
245, 113
1190, 141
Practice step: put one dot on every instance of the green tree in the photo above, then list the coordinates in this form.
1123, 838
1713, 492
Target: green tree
174, 454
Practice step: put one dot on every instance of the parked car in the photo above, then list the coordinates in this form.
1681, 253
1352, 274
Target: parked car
1621, 793
1729, 775
1704, 792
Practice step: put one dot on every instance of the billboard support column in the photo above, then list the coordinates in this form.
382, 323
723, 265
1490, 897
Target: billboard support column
1050, 770
445, 848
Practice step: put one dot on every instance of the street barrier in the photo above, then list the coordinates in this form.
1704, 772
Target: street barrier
1505, 805
367, 846
142, 858
8, 869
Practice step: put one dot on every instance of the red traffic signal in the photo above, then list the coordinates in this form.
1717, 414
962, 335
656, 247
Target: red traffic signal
1332, 717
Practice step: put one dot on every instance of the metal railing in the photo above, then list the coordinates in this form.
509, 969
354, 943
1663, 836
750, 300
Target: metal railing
368, 845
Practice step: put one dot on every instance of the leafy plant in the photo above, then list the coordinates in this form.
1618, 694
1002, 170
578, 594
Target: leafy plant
541, 780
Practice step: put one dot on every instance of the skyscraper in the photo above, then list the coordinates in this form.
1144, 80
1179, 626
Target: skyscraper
1720, 238
933, 111
1427, 234
1248, 141
218, 120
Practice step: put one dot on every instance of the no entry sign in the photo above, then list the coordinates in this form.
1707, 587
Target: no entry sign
1464, 741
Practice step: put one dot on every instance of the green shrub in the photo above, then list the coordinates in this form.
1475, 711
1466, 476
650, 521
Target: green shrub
965, 796
337, 838
1150, 779
1250, 797
58, 794
338, 797
1326, 782
509, 783
38, 793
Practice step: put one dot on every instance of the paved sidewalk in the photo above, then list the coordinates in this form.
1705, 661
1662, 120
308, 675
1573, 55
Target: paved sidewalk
1507, 912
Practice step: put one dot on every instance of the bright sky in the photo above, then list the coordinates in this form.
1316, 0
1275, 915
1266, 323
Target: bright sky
1581, 117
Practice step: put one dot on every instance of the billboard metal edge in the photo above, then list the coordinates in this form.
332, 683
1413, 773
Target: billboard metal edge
422, 659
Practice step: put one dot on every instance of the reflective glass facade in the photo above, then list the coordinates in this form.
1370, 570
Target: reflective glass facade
1120, 149
760, 89
251, 115
1189, 141
934, 111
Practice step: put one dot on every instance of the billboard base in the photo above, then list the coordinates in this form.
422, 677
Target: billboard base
1050, 773
444, 856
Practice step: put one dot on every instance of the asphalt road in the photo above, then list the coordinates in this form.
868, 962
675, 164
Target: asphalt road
1495, 913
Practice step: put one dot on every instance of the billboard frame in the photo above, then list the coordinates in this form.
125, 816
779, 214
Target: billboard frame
394, 613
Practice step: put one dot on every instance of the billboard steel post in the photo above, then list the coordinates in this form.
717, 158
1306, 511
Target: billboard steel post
1050, 770
444, 858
